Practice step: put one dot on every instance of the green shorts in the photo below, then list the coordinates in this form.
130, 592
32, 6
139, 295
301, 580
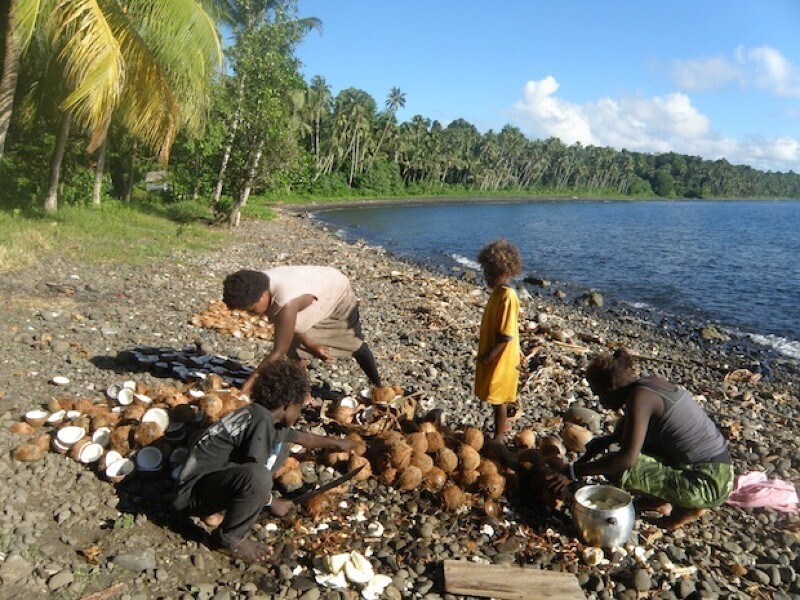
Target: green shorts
700, 485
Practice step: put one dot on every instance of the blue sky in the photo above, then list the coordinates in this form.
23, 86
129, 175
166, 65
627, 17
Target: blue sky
719, 79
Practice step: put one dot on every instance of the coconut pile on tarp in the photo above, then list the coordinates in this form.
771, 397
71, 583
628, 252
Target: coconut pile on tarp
238, 323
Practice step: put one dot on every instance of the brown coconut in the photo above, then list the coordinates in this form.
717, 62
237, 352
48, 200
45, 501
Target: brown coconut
388, 476
435, 441
491, 508
211, 405
427, 427
289, 464
551, 445
446, 460
85, 406
418, 441
53, 405
21, 428
66, 403
360, 448
383, 395
468, 458
75, 450
29, 453
334, 458
291, 479
121, 440
43, 441
134, 412
424, 462
343, 415
525, 439
108, 419
400, 456
575, 437
467, 479
487, 467
409, 479
435, 479
360, 461
473, 437
492, 485
453, 497
391, 438
148, 433
319, 505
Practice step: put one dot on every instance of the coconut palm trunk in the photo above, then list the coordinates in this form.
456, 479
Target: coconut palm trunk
51, 199
8, 83
131, 173
97, 189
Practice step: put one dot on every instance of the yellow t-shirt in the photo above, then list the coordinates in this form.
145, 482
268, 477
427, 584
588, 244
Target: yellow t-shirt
496, 382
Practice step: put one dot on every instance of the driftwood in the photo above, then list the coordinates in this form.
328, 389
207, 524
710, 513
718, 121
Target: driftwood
509, 581
104, 594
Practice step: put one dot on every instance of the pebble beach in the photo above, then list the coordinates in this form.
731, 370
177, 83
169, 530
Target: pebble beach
66, 532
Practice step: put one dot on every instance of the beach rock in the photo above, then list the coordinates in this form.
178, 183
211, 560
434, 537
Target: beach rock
14, 569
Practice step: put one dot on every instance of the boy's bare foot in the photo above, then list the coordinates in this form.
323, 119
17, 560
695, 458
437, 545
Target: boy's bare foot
247, 550
680, 517
662, 507
214, 520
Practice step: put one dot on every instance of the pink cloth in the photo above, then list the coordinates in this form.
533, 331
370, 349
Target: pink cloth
754, 489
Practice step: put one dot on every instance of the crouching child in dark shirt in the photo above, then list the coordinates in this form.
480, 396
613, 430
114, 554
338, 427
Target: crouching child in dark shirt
227, 479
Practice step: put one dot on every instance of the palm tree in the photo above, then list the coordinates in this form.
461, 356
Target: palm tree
394, 101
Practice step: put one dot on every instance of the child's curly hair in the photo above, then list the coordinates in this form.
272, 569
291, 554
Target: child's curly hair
281, 383
608, 371
500, 257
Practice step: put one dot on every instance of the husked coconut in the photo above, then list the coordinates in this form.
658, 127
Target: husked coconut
487, 467
343, 414
291, 479
467, 479
400, 456
493, 485
360, 447
134, 412
121, 439
575, 437
211, 405
453, 497
551, 445
424, 462
525, 439
21, 428
360, 461
418, 441
446, 460
388, 476
435, 441
491, 508
410, 478
319, 505
435, 479
29, 453
148, 433
473, 437
334, 458
468, 458
290, 463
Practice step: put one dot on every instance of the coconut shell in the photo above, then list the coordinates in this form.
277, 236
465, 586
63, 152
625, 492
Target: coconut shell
550, 445
487, 467
291, 479
121, 440
473, 437
492, 485
388, 476
289, 464
467, 479
400, 456
148, 433
468, 458
418, 441
319, 505
435, 441
383, 395
525, 439
409, 479
356, 462
424, 462
575, 437
435, 479
21, 428
446, 460
29, 453
343, 415
491, 508
75, 450
453, 497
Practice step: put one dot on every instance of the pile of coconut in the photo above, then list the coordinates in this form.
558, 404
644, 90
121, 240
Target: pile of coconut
238, 323
133, 429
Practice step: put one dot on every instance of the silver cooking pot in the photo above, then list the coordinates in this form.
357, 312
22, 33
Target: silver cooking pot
603, 515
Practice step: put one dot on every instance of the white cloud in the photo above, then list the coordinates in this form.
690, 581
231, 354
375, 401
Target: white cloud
763, 68
668, 123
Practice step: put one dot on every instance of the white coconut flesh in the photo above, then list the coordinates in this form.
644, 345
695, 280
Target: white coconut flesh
90, 453
67, 436
125, 396
157, 415
36, 416
102, 436
57, 416
120, 468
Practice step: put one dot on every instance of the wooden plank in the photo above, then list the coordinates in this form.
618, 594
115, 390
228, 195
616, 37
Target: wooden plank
509, 581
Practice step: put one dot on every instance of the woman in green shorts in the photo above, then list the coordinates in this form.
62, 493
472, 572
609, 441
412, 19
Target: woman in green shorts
671, 455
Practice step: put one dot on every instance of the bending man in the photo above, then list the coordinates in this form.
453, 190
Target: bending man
314, 311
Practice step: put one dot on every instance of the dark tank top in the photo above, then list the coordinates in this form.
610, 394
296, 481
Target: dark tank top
684, 434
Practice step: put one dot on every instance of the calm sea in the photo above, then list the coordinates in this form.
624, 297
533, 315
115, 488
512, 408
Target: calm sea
736, 263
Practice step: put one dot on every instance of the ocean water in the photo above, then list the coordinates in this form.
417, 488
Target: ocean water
733, 263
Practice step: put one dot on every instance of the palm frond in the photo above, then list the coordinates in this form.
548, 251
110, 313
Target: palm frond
26, 16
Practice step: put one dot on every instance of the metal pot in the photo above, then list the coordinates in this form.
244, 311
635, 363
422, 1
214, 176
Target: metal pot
603, 515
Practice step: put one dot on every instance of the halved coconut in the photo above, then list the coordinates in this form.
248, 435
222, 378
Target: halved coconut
67, 436
358, 569
90, 453
56, 417
125, 396
149, 459
110, 458
112, 391
143, 399
120, 469
197, 393
102, 436
60, 380
59, 447
129, 384
73, 414
36, 417
157, 415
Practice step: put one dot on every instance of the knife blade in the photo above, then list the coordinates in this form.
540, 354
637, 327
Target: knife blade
327, 486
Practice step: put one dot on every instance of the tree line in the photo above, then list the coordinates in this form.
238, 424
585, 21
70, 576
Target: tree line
95, 94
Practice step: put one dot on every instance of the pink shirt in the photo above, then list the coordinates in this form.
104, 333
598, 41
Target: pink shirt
328, 286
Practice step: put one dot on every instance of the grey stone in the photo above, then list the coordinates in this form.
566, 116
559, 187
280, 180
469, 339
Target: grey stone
136, 561
15, 568
641, 580
60, 579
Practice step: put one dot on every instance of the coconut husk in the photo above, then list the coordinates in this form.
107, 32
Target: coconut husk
21, 428
383, 395
491, 508
84, 405
418, 441
360, 461
551, 445
291, 479
424, 462
388, 476
28, 453
148, 433
121, 440
525, 439
400, 456
446, 460
134, 412
435, 441
427, 427
343, 415
53, 405
66, 403
492, 485
487, 467
290, 463
391, 438
43, 441
409, 479
473, 437
212, 406
108, 419
575, 437
467, 479
453, 497
334, 458
319, 505
468, 458
435, 479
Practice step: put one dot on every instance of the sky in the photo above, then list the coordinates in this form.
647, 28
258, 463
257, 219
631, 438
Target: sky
711, 78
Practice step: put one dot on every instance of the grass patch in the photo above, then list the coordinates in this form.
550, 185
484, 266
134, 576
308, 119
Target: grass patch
113, 232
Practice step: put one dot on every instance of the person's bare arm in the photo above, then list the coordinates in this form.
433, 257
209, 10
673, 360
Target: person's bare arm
311, 441
317, 350
496, 350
